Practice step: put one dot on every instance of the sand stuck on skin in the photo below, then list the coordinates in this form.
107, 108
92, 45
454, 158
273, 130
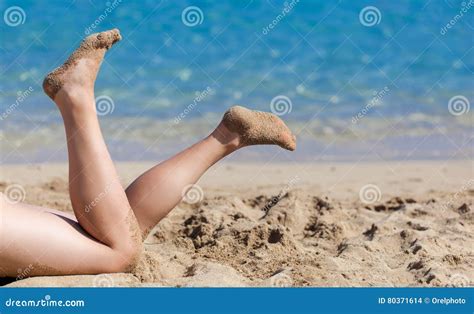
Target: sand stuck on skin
92, 48
259, 128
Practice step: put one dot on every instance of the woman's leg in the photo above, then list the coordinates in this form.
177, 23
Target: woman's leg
156, 192
108, 238
98, 199
36, 241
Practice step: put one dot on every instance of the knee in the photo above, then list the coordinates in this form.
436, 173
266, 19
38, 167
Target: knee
126, 258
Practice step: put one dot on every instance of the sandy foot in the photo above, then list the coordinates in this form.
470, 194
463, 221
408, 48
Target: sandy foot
257, 128
81, 67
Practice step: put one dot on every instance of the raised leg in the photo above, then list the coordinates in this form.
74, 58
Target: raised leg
156, 192
98, 199
106, 236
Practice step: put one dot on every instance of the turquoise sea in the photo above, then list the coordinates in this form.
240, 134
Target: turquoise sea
356, 80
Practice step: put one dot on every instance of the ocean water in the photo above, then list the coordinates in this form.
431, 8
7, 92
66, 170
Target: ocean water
354, 79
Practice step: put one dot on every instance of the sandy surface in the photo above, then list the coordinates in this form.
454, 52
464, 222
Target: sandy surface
295, 225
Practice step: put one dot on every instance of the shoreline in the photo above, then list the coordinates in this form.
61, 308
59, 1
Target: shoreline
141, 139
126, 169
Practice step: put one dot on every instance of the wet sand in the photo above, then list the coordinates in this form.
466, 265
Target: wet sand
329, 224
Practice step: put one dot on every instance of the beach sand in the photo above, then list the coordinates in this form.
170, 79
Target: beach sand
294, 225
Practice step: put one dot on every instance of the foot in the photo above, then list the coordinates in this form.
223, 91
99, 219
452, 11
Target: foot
79, 72
257, 128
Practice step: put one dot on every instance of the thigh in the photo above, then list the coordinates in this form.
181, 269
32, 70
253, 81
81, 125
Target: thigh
38, 241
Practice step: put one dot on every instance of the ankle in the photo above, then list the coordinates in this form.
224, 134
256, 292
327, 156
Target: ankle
230, 140
75, 101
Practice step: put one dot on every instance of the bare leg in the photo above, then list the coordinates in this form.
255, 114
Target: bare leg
156, 192
36, 241
97, 197
108, 238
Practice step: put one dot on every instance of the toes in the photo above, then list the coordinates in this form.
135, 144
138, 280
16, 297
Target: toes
105, 39
287, 141
293, 143
109, 38
113, 35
